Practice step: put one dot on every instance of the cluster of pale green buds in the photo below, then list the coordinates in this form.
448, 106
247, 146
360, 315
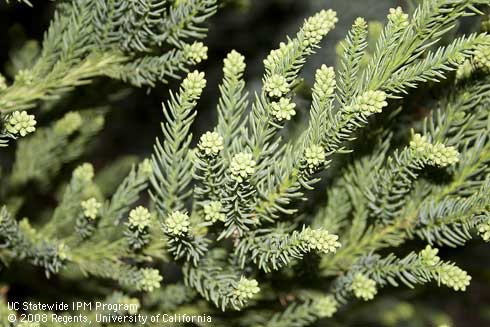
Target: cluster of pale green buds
24, 76
139, 218
419, 144
177, 223
360, 23
276, 86
84, 173
429, 256
325, 306
481, 58
146, 167
213, 211
68, 124
484, 231
454, 277
242, 166
19, 122
196, 52
246, 289
276, 56
317, 26
283, 109
211, 143
443, 156
193, 85
91, 208
436, 154
363, 287
149, 280
324, 86
449, 274
234, 64
398, 17
314, 157
368, 103
320, 240
312, 32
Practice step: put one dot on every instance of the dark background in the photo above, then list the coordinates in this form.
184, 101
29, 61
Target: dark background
253, 28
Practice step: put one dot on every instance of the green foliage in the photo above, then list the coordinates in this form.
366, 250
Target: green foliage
87, 39
41, 156
235, 213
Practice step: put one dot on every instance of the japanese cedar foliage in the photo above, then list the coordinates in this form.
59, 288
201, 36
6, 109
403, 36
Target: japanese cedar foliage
230, 212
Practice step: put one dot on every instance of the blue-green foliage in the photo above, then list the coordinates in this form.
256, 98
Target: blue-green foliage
238, 214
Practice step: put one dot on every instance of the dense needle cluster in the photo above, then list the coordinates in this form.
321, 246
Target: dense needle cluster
236, 216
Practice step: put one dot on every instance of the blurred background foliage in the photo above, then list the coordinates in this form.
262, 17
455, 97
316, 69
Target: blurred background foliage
252, 27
